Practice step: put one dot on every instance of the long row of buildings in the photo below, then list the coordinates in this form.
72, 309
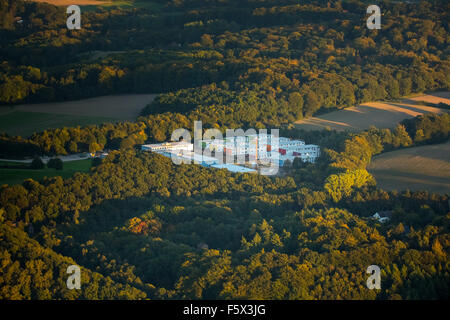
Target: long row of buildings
250, 150
263, 146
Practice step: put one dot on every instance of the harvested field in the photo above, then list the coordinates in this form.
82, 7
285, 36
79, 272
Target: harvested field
432, 98
106, 3
70, 2
26, 119
123, 107
379, 114
418, 168
26, 123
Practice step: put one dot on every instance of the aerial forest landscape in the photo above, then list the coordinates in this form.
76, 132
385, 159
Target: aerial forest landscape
95, 178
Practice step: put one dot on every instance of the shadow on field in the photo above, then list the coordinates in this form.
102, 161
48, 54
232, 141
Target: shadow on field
396, 180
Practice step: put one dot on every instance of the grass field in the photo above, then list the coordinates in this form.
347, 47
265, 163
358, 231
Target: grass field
17, 176
29, 118
379, 114
418, 168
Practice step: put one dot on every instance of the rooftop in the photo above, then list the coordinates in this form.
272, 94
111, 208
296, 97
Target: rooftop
170, 143
192, 156
233, 167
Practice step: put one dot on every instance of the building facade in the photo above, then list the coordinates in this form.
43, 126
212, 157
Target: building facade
260, 147
168, 147
256, 150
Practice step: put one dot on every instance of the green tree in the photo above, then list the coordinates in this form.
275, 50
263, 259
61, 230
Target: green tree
207, 41
94, 146
312, 104
296, 103
55, 163
37, 163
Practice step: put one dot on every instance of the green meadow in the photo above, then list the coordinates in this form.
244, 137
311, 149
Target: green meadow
13, 176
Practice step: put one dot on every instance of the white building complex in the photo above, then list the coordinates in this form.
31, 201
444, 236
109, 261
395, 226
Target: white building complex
263, 146
252, 150
168, 146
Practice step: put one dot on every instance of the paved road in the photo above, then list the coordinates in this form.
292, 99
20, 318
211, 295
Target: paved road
71, 157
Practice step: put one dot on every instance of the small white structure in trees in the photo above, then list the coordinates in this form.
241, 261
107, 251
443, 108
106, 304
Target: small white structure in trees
383, 216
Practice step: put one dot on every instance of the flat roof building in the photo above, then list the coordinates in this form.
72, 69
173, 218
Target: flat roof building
168, 146
253, 149
263, 146
233, 168
189, 157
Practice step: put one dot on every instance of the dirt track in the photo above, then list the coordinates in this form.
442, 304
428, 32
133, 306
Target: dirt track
45, 159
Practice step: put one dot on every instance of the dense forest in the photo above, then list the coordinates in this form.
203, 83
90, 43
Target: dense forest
142, 227
274, 51
227, 63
